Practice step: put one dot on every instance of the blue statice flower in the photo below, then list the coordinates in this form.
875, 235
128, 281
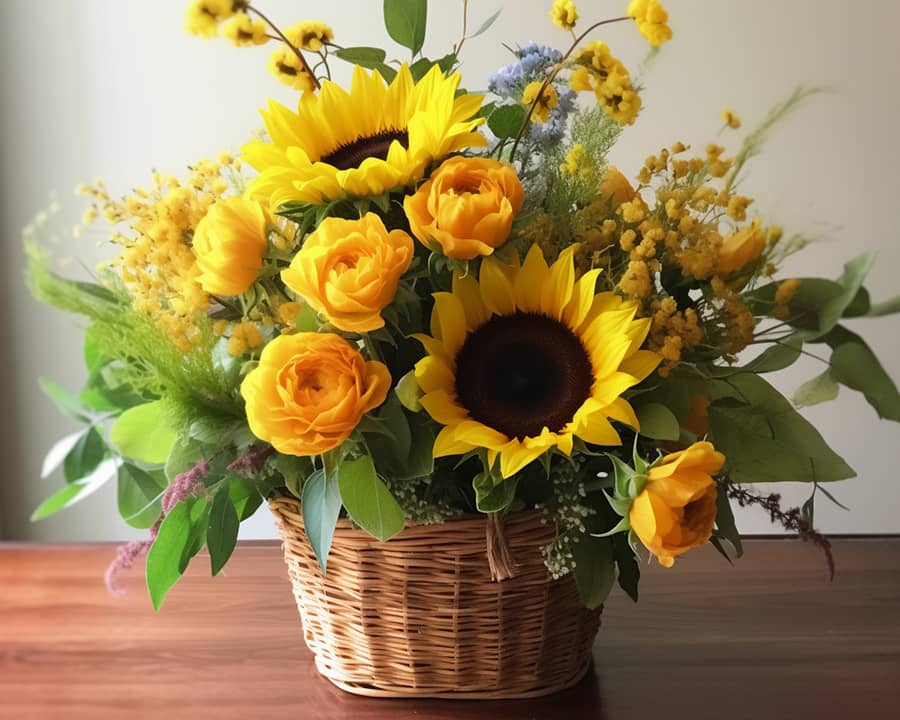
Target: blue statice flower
533, 64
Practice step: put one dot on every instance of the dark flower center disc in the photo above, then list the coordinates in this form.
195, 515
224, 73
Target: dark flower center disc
520, 373
352, 154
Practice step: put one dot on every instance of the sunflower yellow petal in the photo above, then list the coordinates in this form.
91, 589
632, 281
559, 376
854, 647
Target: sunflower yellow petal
442, 407
530, 280
641, 364
582, 299
496, 287
446, 444
448, 322
557, 291
466, 289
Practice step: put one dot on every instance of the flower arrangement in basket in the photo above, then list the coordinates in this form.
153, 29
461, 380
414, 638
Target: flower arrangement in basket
477, 373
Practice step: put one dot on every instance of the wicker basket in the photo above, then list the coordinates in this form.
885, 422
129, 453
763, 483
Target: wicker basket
419, 615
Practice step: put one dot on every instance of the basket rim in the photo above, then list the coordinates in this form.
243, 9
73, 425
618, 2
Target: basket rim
463, 521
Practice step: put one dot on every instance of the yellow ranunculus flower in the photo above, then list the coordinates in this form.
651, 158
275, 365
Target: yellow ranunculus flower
229, 243
741, 248
615, 187
310, 390
467, 206
348, 270
677, 508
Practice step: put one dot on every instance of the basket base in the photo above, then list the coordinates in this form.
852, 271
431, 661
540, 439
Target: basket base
440, 694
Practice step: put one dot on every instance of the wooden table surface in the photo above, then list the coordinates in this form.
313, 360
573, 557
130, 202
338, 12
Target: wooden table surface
769, 639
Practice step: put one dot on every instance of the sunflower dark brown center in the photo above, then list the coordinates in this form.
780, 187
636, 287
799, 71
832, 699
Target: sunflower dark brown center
351, 154
520, 373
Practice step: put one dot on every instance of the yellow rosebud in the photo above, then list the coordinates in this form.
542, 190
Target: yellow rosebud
614, 186
676, 509
310, 391
467, 206
348, 270
741, 248
229, 243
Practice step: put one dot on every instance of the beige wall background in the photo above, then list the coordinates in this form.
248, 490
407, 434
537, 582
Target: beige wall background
111, 88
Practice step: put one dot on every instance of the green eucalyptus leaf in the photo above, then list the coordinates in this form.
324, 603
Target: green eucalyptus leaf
57, 454
765, 439
367, 500
595, 569
485, 26
321, 507
657, 422
367, 57
887, 307
854, 364
821, 388
777, 357
221, 530
142, 433
405, 21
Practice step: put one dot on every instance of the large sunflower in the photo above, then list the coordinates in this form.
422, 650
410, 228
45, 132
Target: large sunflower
527, 358
364, 142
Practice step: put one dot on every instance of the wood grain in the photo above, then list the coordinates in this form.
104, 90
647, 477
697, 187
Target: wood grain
770, 638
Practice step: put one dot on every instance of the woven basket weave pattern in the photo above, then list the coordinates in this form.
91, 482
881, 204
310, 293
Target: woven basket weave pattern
419, 615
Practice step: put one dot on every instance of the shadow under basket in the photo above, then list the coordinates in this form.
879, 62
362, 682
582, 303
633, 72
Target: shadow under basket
419, 616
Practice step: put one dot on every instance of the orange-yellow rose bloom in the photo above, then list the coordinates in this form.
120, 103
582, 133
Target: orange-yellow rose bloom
348, 270
741, 248
310, 390
229, 243
467, 206
677, 508
614, 186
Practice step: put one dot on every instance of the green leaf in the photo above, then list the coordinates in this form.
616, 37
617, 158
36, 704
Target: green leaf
84, 457
368, 501
657, 422
485, 26
57, 454
506, 120
183, 456
139, 495
245, 497
367, 57
491, 496
781, 355
321, 506
854, 364
180, 537
221, 530
142, 433
725, 521
595, 570
821, 388
65, 402
628, 570
77, 491
888, 307
405, 21
765, 439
